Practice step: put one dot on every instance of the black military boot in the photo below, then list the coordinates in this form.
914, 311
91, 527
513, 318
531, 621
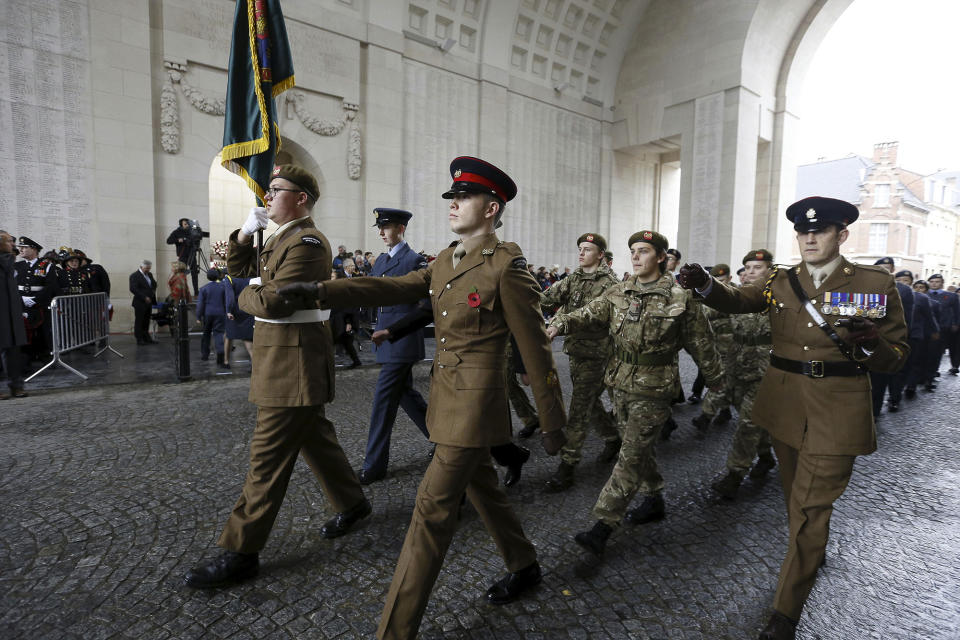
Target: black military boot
764, 465
650, 510
594, 540
668, 427
228, 568
562, 478
779, 627
529, 429
611, 449
723, 417
728, 485
702, 422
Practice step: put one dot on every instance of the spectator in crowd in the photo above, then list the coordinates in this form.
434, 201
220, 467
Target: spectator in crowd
338, 260
342, 325
75, 281
211, 313
13, 333
177, 283
239, 324
144, 289
370, 259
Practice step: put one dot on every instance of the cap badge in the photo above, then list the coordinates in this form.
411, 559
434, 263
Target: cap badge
457, 173
647, 235
759, 255
589, 237
811, 214
276, 171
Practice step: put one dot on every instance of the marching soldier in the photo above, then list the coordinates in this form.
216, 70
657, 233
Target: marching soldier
831, 322
751, 355
292, 379
650, 320
481, 292
38, 285
716, 406
589, 350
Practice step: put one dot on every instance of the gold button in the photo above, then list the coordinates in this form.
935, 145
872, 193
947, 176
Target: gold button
806, 348
442, 340
448, 286
809, 324
444, 314
430, 292
441, 366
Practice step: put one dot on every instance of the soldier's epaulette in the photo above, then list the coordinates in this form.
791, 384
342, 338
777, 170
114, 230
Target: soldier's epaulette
768, 287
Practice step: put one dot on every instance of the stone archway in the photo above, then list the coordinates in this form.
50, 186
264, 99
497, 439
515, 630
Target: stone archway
230, 199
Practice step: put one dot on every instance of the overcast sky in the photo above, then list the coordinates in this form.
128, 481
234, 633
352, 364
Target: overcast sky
887, 70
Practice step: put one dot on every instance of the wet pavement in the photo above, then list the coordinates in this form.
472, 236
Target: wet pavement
110, 492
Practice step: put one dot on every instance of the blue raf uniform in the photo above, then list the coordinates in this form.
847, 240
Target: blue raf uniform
395, 383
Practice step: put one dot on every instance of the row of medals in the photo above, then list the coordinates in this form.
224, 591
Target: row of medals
850, 309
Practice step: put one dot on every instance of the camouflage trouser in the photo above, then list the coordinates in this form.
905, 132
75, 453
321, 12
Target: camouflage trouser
749, 441
586, 407
714, 402
639, 419
517, 396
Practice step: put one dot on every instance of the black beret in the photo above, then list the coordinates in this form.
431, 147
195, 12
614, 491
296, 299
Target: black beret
675, 253
213, 274
595, 238
473, 175
758, 254
741, 270
884, 260
720, 270
901, 274
298, 176
650, 237
936, 275
816, 213
385, 216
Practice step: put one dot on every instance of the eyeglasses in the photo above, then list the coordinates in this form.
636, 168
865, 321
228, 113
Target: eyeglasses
272, 191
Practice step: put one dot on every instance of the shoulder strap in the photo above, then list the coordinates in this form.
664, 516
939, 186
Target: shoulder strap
812, 310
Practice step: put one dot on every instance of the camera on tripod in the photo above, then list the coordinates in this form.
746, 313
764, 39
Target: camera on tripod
196, 232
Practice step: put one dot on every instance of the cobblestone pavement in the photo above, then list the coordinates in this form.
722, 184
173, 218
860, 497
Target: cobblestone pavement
109, 494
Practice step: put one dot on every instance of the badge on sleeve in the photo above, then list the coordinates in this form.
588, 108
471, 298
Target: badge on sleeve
311, 240
520, 263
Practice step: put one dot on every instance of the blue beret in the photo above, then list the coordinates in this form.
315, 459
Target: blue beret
884, 260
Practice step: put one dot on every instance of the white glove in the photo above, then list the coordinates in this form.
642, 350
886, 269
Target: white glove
255, 221
28, 301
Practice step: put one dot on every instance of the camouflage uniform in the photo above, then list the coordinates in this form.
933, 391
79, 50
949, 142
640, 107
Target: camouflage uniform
751, 336
722, 325
589, 350
649, 323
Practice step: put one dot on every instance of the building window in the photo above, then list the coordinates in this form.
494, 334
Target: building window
881, 195
878, 239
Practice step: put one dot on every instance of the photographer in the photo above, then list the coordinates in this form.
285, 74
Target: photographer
187, 239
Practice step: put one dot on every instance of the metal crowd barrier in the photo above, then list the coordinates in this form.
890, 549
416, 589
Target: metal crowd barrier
78, 321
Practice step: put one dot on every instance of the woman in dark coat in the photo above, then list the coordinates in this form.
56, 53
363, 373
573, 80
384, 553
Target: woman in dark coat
13, 333
239, 324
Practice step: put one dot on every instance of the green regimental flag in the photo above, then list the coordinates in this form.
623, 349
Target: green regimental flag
261, 68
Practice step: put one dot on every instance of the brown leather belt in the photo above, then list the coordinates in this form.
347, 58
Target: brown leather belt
818, 368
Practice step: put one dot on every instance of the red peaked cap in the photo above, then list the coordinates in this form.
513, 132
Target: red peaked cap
473, 175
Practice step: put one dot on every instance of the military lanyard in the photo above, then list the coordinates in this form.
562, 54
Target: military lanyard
812, 310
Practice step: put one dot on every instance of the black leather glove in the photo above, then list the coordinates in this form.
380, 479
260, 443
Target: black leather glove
861, 331
553, 441
304, 290
692, 276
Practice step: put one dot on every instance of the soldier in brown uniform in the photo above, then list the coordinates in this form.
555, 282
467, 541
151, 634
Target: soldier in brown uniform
291, 380
815, 397
589, 351
481, 293
649, 320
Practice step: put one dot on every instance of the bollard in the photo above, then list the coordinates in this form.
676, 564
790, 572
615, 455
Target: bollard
183, 343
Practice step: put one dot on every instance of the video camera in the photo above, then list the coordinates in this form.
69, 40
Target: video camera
196, 232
